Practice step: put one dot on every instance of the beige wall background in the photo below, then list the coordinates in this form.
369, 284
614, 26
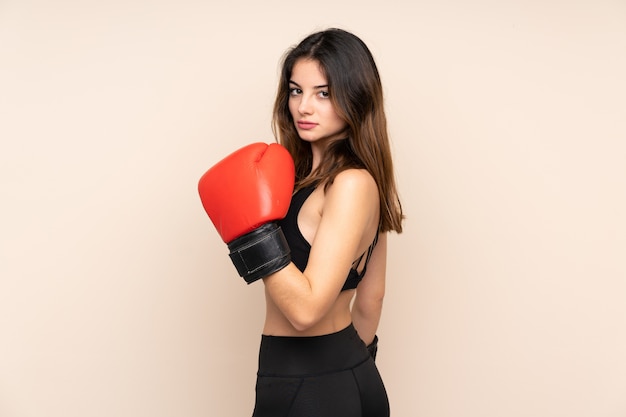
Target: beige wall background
506, 293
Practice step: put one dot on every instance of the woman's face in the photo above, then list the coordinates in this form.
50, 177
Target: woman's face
313, 113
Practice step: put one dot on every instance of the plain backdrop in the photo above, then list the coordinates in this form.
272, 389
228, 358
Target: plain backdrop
506, 292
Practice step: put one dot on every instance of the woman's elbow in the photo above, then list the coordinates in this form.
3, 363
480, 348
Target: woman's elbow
302, 319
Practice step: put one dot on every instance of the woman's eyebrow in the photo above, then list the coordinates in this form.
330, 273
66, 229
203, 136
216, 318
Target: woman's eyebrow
317, 87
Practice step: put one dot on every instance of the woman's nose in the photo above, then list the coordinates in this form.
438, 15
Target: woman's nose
305, 106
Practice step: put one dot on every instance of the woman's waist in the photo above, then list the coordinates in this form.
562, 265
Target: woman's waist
279, 325
338, 318
311, 355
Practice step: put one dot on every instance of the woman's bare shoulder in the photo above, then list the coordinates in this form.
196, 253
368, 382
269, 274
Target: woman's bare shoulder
354, 180
353, 191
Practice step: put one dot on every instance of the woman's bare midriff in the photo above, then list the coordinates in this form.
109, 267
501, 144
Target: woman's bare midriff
338, 318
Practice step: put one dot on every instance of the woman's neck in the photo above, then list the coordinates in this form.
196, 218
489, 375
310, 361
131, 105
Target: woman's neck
317, 153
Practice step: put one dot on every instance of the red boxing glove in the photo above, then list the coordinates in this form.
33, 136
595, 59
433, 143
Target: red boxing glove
244, 194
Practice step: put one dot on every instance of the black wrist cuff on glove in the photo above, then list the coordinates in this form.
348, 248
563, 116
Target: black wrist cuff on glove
260, 253
373, 347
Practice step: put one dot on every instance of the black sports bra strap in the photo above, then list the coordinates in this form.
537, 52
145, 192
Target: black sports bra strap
369, 252
357, 262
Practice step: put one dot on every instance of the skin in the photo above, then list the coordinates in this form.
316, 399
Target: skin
340, 224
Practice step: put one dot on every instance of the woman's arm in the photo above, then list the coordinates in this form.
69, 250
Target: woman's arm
348, 223
368, 303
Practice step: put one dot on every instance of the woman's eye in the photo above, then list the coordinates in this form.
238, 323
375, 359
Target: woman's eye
294, 91
324, 94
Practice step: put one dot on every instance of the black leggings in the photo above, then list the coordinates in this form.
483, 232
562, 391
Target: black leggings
321, 376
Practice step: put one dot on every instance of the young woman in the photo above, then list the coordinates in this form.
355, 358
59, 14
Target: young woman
321, 251
324, 307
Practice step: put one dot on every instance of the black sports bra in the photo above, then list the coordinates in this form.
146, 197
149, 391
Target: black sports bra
300, 248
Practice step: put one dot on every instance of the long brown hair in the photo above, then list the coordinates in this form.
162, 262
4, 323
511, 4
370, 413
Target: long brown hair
357, 96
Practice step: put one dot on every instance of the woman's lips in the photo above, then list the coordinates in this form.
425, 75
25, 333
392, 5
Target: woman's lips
306, 125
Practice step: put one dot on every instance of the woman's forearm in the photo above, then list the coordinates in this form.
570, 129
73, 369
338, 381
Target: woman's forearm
366, 317
302, 303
